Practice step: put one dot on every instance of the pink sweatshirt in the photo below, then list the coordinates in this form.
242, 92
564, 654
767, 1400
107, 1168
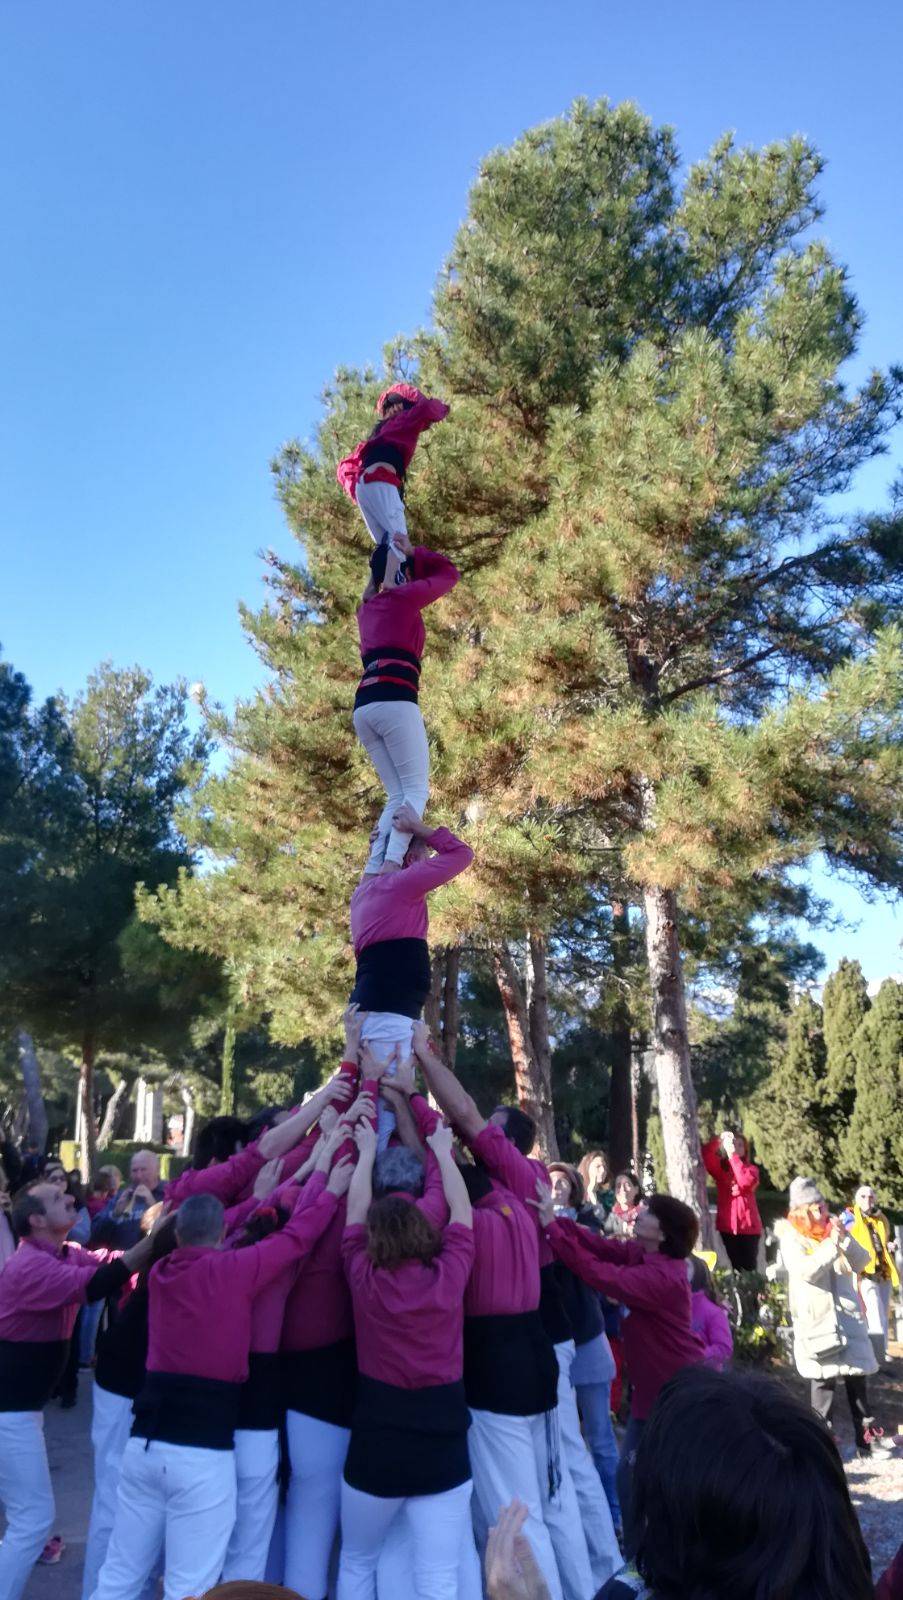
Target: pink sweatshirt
505, 1276
394, 907
402, 432
202, 1298
392, 619
711, 1325
514, 1172
410, 1319
227, 1180
658, 1338
42, 1287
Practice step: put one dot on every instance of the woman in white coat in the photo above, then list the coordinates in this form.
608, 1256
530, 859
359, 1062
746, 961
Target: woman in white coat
830, 1336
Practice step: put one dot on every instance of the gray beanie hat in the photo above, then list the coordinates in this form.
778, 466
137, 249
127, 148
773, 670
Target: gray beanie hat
804, 1192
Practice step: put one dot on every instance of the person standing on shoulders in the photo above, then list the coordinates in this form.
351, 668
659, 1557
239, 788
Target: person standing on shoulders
736, 1179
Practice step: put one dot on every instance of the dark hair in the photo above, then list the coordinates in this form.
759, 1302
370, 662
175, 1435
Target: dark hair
477, 1181
379, 559
397, 1169
701, 1279
25, 1206
679, 1225
739, 1490
519, 1128
266, 1220
630, 1179
397, 1231
217, 1140
585, 1163
262, 1121
395, 399
163, 1240
199, 1220
74, 1187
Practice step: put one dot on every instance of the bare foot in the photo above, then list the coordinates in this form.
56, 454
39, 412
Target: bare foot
389, 866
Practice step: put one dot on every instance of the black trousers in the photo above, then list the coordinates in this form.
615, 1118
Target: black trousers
742, 1250
822, 1395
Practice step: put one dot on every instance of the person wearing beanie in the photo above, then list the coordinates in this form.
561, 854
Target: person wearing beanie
869, 1226
373, 476
830, 1337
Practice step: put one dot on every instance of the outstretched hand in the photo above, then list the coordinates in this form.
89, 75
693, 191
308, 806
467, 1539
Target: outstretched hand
371, 1068
543, 1203
340, 1176
267, 1178
365, 1139
512, 1572
441, 1140
407, 820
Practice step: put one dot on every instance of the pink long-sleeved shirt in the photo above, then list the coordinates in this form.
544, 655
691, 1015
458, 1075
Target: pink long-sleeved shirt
42, 1287
410, 1319
228, 1181
402, 432
516, 1173
394, 906
202, 1298
392, 619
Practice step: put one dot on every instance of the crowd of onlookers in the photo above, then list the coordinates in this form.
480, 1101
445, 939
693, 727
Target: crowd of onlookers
723, 1483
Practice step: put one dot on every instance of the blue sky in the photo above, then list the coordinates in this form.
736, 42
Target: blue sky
208, 206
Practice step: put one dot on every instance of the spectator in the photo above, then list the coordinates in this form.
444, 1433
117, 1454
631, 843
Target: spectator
739, 1492
830, 1337
595, 1175
870, 1228
626, 1208
711, 1323
736, 1180
118, 1225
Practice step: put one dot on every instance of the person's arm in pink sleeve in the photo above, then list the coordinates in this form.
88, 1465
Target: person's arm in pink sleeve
434, 576
424, 1116
354, 1253
237, 1215
504, 1161
452, 857
455, 1263
227, 1181
608, 1265
258, 1264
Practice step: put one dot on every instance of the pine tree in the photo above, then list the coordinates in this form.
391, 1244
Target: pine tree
845, 1002
873, 1147
794, 1130
668, 672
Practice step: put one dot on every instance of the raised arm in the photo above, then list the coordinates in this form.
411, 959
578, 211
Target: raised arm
360, 1193
460, 1209
746, 1175
457, 1104
711, 1157
452, 857
434, 576
338, 1091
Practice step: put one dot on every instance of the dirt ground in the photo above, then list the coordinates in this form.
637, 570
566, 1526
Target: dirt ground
876, 1485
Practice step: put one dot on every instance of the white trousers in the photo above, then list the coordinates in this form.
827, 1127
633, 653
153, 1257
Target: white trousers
257, 1499
111, 1424
394, 737
384, 1031
876, 1294
601, 1541
396, 1563
177, 1495
317, 1451
508, 1459
439, 1523
382, 509
26, 1495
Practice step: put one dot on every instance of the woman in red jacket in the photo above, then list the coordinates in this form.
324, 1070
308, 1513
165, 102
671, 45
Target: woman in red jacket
373, 475
736, 1180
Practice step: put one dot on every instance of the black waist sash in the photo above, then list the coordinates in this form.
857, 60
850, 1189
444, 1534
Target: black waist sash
378, 451
408, 1441
176, 1408
393, 975
390, 673
321, 1383
262, 1403
552, 1310
509, 1365
30, 1370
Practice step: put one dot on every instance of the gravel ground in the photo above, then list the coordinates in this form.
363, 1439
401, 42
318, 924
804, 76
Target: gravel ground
876, 1485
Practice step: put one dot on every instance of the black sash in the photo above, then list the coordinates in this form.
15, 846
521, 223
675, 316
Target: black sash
262, 1404
321, 1383
30, 1371
393, 975
176, 1408
509, 1365
408, 1441
555, 1319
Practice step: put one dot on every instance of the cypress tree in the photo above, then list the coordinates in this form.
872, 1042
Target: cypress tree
794, 1130
845, 1002
873, 1146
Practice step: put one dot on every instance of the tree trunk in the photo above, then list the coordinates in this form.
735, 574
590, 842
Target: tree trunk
31, 1079
621, 1111
432, 1006
676, 1094
114, 1111
227, 1082
533, 1094
451, 1004
88, 1149
188, 1128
